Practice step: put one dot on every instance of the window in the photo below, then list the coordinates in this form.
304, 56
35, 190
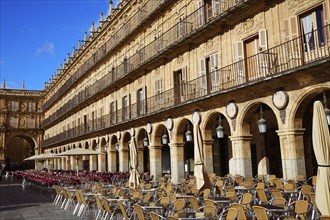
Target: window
141, 101
158, 41
125, 109
112, 113
14, 106
200, 13
309, 23
31, 106
181, 27
159, 94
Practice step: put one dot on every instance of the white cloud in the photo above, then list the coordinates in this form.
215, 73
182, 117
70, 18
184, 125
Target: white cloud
47, 48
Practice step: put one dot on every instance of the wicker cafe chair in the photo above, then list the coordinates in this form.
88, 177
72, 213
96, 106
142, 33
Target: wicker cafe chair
208, 211
139, 212
301, 208
100, 208
79, 202
178, 206
59, 195
240, 211
262, 196
229, 214
155, 216
260, 213
108, 210
124, 212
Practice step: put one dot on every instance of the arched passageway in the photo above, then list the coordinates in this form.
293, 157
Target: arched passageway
17, 148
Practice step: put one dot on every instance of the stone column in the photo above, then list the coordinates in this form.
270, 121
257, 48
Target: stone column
141, 159
177, 161
208, 155
50, 164
63, 161
68, 163
123, 160
73, 163
80, 163
112, 160
241, 147
101, 159
292, 152
155, 153
93, 162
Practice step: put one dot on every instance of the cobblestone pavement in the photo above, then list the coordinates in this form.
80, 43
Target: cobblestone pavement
30, 202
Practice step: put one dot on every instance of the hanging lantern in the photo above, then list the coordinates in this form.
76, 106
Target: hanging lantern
219, 130
145, 141
262, 123
189, 137
164, 138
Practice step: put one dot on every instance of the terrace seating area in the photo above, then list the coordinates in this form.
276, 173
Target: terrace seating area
104, 195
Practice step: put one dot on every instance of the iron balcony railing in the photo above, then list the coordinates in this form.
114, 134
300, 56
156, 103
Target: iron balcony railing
187, 26
265, 65
120, 36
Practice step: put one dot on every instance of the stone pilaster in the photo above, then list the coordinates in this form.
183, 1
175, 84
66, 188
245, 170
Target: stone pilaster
241, 160
141, 160
73, 163
102, 160
63, 162
156, 161
123, 160
208, 155
177, 161
292, 152
112, 160
93, 162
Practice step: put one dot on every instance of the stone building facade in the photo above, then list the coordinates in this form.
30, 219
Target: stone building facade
151, 63
20, 124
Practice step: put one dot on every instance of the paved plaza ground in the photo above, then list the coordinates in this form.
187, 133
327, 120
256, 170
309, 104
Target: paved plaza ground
19, 202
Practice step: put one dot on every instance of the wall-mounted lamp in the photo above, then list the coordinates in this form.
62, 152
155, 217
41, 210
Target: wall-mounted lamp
145, 140
262, 123
326, 110
188, 134
219, 130
164, 138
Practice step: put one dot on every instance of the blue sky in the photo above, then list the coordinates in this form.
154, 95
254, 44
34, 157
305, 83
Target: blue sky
37, 35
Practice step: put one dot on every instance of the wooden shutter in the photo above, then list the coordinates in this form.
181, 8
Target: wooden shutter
286, 30
200, 13
294, 27
263, 39
214, 74
326, 12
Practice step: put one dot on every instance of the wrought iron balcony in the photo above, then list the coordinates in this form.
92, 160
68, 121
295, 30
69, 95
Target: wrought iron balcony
146, 13
283, 59
164, 45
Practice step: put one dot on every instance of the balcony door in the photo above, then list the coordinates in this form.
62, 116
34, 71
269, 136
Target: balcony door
180, 86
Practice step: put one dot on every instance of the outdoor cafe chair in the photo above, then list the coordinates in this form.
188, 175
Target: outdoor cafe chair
262, 196
108, 209
177, 206
155, 216
304, 190
127, 213
241, 212
59, 194
229, 214
85, 206
311, 199
207, 211
300, 209
260, 213
79, 202
276, 193
278, 183
139, 212
100, 208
